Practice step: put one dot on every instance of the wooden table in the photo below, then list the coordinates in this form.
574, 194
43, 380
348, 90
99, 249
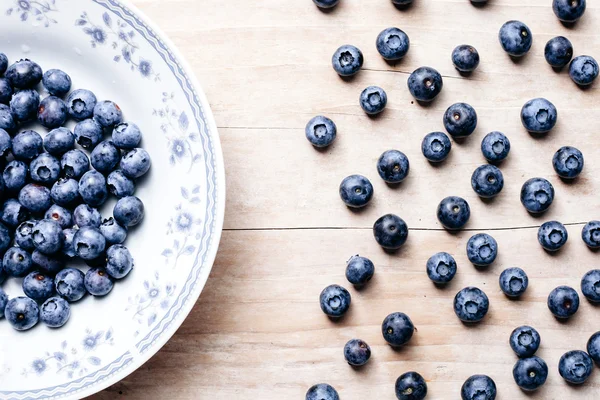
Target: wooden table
257, 331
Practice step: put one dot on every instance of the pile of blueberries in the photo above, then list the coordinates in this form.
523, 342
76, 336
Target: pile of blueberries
537, 194
50, 194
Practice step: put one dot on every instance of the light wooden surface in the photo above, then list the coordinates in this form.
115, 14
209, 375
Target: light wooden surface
257, 331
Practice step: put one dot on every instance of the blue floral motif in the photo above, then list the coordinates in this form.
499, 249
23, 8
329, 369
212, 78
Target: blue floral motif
120, 37
72, 361
175, 126
34, 10
156, 296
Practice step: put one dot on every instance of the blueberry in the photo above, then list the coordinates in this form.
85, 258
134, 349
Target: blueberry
482, 249
569, 10
357, 352
539, 115
13, 213
411, 386
478, 387
81, 103
334, 300
487, 181
471, 304
441, 268
135, 163
129, 211
92, 188
591, 234
105, 156
3, 301
465, 58
347, 60
5, 238
563, 302
65, 192
436, 146
460, 120
558, 51
22, 313
61, 215
3, 67
356, 191
24, 74
516, 38
112, 231
402, 3
320, 131
326, 3
126, 135
590, 285
84, 215
89, 243
575, 366
68, 249
55, 312
390, 231
59, 141
7, 121
69, 284
537, 194
47, 263
453, 212
44, 169
38, 286
373, 100
393, 166
530, 373
98, 282
593, 347
56, 82
393, 44
88, 133
322, 391
495, 146
35, 198
74, 163
513, 282
525, 341
6, 91
16, 262
52, 112
48, 236
15, 175
583, 70
359, 270
425, 84
27, 145
119, 261
23, 235
568, 162
119, 185
24, 105
552, 235
397, 329
108, 113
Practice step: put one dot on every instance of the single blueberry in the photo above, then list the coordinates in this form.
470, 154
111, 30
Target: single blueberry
23, 235
513, 282
320, 131
591, 234
15, 176
74, 163
3, 67
7, 120
56, 82
569, 10
453, 212
478, 387
89, 243
22, 313
390, 231
482, 249
128, 211
373, 100
583, 70
65, 192
539, 115
49, 264
17, 262
393, 44
516, 38
495, 146
397, 329
590, 285
38, 286
59, 141
69, 284
347, 60
335, 301
568, 162
84, 215
48, 236
97, 282
5, 143
44, 169
471, 304
322, 391
593, 347
411, 386
465, 58
552, 235
436, 146
356, 191
524, 341
52, 112
6, 91
108, 113
68, 249
359, 270
13, 213
105, 156
575, 366
119, 185
88, 133
24, 105
357, 352
24, 74
326, 3
393, 166
61, 215
55, 312
127, 135
558, 51
119, 261
112, 231
27, 145
425, 84
135, 163
35, 198
441, 268
80, 104
487, 181
530, 373
460, 120
563, 302
537, 194
92, 188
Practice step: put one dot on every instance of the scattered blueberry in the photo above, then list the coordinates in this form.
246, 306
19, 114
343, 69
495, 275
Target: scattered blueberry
356, 191
58, 141
487, 181
126, 135
373, 100
13, 213
390, 231
81, 103
441, 268
569, 10
482, 249
563, 302
22, 313
425, 84
397, 329
583, 70
335, 301
593, 347
460, 120
552, 235
61, 215
453, 212
539, 115
135, 163
129, 211
65, 192
16, 262
48, 236
119, 261
575, 366
24, 235
52, 112
119, 185
320, 131
465, 58
56, 82
590, 285
44, 169
24, 105
516, 38
359, 270
15, 175
393, 44
38, 286
7, 121
411, 386
88, 133
357, 352
35, 198
568, 162
6, 91
478, 387
98, 282
537, 194
322, 391
558, 51
436, 146
24, 74
112, 231
525, 341
27, 145
393, 166
74, 163
347, 60
48, 264
55, 312
530, 373
92, 188
108, 113
513, 282
69, 284
471, 304
89, 243
591, 234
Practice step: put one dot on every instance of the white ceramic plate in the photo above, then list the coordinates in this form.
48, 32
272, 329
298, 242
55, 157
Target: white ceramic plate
110, 48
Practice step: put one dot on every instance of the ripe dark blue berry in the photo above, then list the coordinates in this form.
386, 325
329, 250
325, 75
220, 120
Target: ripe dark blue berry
563, 302
530, 373
52, 112
590, 285
425, 84
575, 366
55, 312
568, 162
56, 82
583, 70
335, 301
393, 44
525, 341
465, 58
320, 131
436, 146
356, 191
411, 386
390, 231
397, 329
539, 115
537, 194
81, 103
38, 286
357, 352
487, 181
22, 313
513, 282
393, 166
441, 268
460, 120
24, 74
482, 249
558, 51
98, 282
322, 391
478, 387
347, 60
495, 146
552, 235
569, 10
17, 262
471, 304
69, 284
516, 38
593, 347
24, 105
453, 212
359, 270
373, 100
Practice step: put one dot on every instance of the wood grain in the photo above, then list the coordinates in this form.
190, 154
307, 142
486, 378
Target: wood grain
257, 330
